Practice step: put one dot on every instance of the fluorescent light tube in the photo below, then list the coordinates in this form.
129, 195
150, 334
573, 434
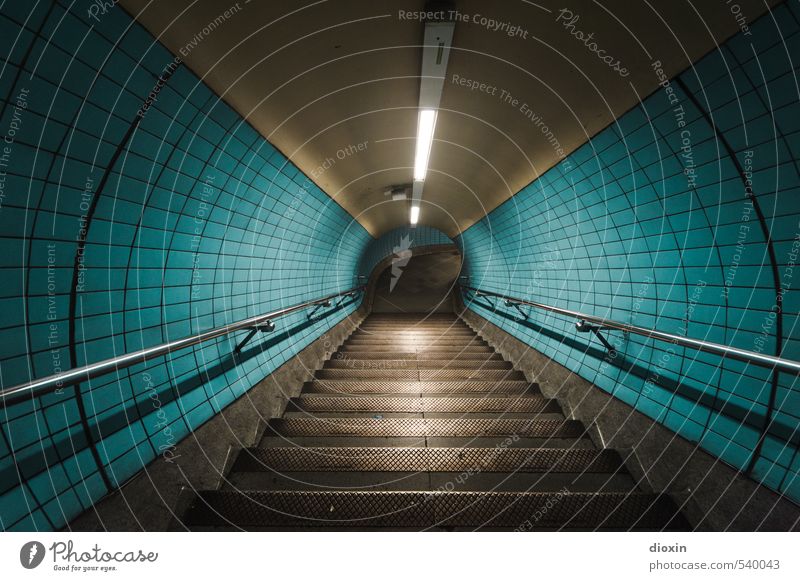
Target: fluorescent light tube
425, 127
414, 214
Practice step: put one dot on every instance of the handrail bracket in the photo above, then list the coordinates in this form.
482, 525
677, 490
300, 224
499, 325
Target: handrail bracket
266, 327
351, 295
516, 306
583, 327
326, 304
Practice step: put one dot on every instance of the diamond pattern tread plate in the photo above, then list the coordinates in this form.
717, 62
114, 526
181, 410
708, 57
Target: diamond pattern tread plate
369, 348
399, 335
358, 364
445, 374
446, 355
425, 510
412, 336
441, 357
399, 342
419, 374
418, 387
384, 328
419, 428
455, 324
390, 333
453, 405
364, 374
415, 329
400, 459
412, 344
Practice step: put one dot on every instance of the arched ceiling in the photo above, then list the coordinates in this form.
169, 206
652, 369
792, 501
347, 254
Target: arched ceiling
338, 80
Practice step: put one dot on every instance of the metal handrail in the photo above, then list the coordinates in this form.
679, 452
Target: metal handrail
759, 359
50, 383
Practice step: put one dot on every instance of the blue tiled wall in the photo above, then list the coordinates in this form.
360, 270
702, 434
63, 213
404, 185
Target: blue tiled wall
405, 237
649, 223
182, 221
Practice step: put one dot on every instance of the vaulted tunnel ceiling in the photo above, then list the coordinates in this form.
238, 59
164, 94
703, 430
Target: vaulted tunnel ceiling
335, 86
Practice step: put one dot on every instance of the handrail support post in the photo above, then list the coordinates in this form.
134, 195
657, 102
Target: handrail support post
343, 298
267, 327
584, 327
318, 307
516, 306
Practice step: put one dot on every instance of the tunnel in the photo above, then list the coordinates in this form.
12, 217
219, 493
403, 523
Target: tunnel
237, 235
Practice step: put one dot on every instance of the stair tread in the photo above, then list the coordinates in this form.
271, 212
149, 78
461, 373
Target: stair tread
414, 355
430, 509
415, 340
424, 481
413, 335
388, 348
405, 459
320, 403
383, 435
419, 374
410, 364
388, 386
422, 427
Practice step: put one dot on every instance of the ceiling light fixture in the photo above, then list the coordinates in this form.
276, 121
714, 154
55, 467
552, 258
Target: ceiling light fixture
414, 215
437, 39
425, 127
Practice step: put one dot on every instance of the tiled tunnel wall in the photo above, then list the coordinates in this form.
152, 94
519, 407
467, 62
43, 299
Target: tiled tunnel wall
122, 231
650, 223
399, 240
135, 211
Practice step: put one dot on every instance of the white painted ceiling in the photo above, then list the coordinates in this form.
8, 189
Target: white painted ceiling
319, 78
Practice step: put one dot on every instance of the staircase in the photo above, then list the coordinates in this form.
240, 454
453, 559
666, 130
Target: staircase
418, 424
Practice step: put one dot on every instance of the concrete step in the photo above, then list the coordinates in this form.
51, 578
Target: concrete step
358, 364
390, 333
367, 348
411, 335
414, 329
270, 440
451, 405
400, 468
426, 415
326, 459
460, 327
391, 387
448, 355
416, 356
412, 317
414, 340
421, 428
441, 325
421, 374
465, 481
423, 510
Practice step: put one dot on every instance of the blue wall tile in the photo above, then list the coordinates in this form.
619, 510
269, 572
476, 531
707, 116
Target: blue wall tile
397, 240
662, 250
199, 222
